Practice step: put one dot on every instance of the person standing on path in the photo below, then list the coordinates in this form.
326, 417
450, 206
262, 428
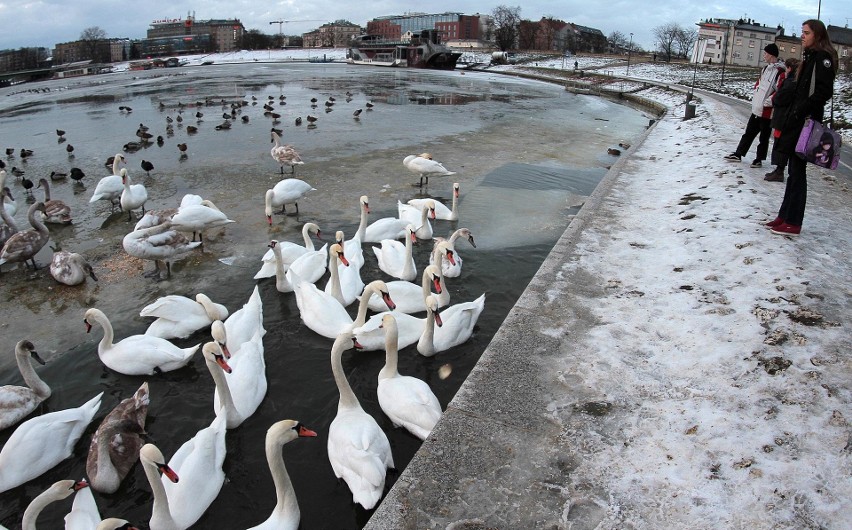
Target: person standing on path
814, 87
759, 122
780, 103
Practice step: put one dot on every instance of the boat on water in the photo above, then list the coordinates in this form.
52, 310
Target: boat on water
422, 51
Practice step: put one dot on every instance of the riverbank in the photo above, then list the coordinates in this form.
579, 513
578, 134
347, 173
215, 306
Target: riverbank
672, 364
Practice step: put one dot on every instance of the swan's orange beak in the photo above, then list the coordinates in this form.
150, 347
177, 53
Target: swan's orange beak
319, 236
225, 350
438, 320
432, 213
271, 243
88, 326
169, 472
80, 484
437, 284
342, 259
357, 345
456, 192
304, 431
367, 207
220, 360
269, 219
388, 301
450, 257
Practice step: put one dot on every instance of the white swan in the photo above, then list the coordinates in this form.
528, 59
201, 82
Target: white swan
6, 198
17, 402
56, 492
132, 196
159, 243
241, 326
406, 400
324, 315
114, 523
441, 211
286, 514
115, 445
385, 228
155, 217
455, 325
55, 211
352, 249
425, 167
137, 354
395, 258
198, 465
197, 218
364, 210
42, 442
287, 191
110, 188
285, 155
8, 226
309, 267
418, 217
289, 251
179, 317
25, 244
358, 449
410, 297
240, 383
449, 260
70, 268
345, 283
84, 514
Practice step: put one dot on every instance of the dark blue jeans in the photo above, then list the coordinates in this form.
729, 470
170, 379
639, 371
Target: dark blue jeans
756, 126
792, 209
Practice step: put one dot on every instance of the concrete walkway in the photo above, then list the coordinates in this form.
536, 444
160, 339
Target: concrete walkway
600, 404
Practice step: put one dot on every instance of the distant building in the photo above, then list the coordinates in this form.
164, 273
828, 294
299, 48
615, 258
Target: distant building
173, 36
788, 46
737, 42
332, 35
99, 51
23, 59
841, 38
577, 38
455, 29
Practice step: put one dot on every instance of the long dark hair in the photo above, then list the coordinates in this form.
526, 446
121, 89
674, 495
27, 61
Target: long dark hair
821, 42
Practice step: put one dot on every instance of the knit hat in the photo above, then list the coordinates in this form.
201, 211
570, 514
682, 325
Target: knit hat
771, 49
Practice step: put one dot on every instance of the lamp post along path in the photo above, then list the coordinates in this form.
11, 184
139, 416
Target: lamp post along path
629, 49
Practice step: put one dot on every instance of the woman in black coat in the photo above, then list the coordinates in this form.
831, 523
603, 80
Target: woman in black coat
819, 62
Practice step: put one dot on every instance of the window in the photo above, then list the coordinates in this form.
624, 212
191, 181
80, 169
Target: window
845, 53
739, 34
751, 35
751, 44
750, 56
739, 42
792, 49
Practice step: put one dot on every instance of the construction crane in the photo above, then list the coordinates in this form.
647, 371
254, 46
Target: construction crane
282, 22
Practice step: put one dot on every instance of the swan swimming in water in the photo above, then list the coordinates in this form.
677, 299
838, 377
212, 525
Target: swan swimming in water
17, 402
395, 258
441, 211
56, 492
240, 381
455, 325
179, 317
289, 251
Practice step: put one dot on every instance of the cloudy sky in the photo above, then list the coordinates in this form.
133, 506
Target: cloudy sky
47, 22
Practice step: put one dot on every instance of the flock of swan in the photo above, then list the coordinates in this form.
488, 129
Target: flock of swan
185, 484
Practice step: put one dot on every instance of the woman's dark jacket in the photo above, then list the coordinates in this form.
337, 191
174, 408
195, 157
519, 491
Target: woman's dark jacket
805, 105
782, 100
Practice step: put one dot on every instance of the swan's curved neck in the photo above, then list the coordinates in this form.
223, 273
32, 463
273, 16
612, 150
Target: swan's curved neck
408, 265
347, 397
109, 335
161, 511
43, 183
363, 302
107, 474
115, 163
426, 344
4, 214
30, 376
455, 202
35, 222
35, 508
287, 503
281, 282
306, 236
391, 367
334, 280
209, 308
226, 400
362, 226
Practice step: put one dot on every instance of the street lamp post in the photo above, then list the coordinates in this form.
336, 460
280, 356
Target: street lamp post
629, 49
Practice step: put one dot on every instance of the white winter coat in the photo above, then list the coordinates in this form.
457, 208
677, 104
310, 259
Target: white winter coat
765, 89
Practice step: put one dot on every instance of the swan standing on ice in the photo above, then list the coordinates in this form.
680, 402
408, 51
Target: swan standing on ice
24, 245
42, 442
286, 514
179, 317
395, 259
159, 243
425, 167
287, 191
358, 449
197, 218
289, 251
137, 354
406, 400
58, 491
17, 402
110, 188
70, 268
455, 325
133, 196
441, 211
285, 155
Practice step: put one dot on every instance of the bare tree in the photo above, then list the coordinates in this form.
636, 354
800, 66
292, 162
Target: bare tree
618, 41
666, 36
506, 22
526, 34
685, 41
91, 38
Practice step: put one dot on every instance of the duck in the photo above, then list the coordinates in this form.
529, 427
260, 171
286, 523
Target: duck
419, 217
27, 184
70, 268
17, 402
455, 325
324, 315
240, 381
159, 243
285, 155
358, 449
425, 167
441, 210
285, 515
196, 218
115, 444
111, 187
40, 443
289, 251
410, 297
134, 196
25, 244
451, 268
241, 326
56, 492
198, 465
147, 166
56, 211
178, 317
287, 191
395, 259
84, 513
406, 400
136, 354
58, 176
309, 267
77, 174
345, 283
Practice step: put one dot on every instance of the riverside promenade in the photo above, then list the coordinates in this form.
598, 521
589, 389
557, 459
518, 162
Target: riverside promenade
672, 364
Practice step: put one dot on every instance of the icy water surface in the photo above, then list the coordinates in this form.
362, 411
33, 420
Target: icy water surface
525, 153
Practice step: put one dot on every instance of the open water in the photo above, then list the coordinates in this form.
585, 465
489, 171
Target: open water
526, 154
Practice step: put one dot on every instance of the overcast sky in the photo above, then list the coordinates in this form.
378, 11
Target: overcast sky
47, 22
